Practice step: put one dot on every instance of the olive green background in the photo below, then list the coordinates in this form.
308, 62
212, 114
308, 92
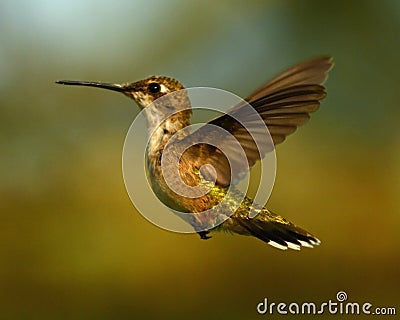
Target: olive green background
72, 244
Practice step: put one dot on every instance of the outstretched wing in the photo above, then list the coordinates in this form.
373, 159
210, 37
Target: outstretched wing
284, 103
313, 71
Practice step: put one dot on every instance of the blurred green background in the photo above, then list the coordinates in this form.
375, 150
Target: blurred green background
72, 244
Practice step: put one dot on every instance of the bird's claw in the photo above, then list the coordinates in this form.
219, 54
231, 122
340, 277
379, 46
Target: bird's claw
204, 235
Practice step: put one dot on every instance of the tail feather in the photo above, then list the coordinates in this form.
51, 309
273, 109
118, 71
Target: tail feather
278, 232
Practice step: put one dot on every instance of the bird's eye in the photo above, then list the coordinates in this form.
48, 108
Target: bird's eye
154, 87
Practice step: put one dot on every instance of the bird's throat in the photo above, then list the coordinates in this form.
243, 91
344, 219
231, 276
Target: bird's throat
161, 131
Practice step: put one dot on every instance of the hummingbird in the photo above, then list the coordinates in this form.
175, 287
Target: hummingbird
283, 103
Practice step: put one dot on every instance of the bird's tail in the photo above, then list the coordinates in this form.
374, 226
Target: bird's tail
277, 231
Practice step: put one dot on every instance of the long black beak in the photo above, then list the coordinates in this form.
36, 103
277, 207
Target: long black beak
108, 86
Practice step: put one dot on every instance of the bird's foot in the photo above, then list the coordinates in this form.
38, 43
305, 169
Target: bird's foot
204, 235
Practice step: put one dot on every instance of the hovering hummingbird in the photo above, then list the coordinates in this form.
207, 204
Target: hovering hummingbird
283, 103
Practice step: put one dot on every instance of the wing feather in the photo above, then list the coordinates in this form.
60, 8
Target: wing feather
284, 103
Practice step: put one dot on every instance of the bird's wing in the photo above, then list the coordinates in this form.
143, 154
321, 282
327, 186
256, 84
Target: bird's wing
313, 71
284, 103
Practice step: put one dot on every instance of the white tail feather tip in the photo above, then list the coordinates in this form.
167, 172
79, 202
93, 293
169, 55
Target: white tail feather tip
293, 246
277, 245
305, 244
315, 242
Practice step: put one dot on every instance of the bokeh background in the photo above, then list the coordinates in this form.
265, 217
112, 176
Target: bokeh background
72, 244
